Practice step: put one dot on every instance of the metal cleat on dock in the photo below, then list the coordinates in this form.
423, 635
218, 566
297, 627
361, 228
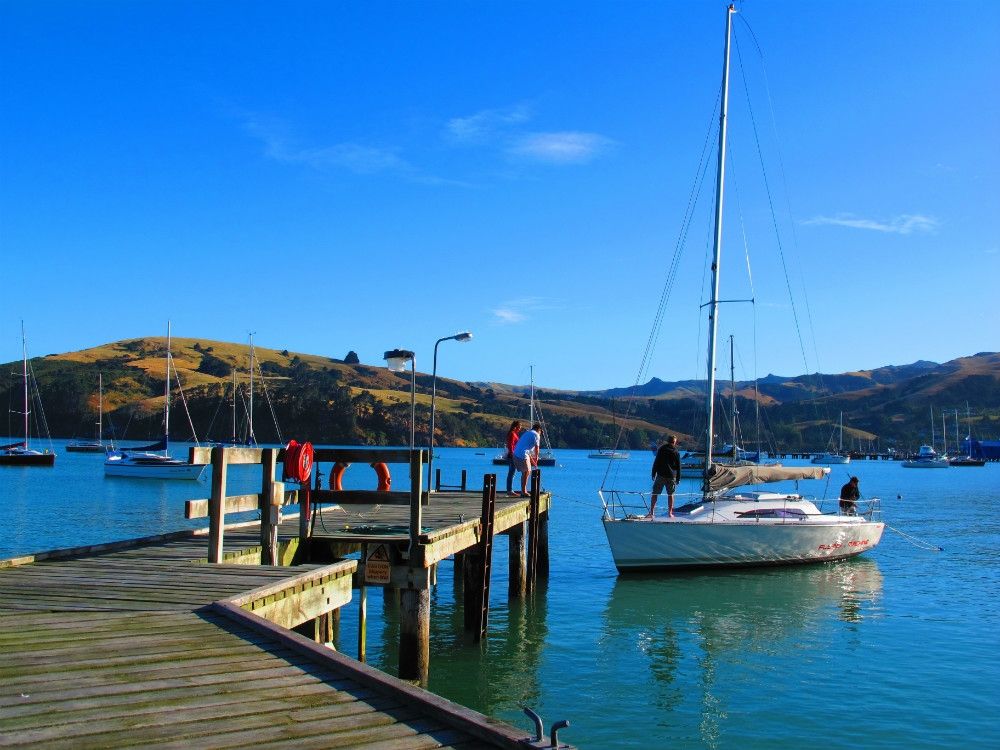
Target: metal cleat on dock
538, 741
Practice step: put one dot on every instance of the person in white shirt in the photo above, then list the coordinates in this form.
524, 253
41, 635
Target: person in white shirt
526, 454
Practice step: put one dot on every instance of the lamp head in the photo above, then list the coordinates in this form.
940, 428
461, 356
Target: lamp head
396, 359
463, 336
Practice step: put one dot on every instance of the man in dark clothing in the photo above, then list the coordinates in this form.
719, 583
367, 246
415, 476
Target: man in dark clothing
666, 474
850, 493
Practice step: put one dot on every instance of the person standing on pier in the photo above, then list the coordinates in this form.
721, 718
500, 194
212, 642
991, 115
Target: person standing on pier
850, 493
666, 474
512, 435
526, 453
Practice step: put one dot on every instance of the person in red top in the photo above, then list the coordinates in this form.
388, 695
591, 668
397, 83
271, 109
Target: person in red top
512, 435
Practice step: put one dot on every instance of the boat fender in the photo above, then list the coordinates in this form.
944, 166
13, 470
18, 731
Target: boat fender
384, 477
336, 476
298, 461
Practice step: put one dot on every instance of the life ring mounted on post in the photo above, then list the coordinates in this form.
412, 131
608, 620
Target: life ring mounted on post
298, 461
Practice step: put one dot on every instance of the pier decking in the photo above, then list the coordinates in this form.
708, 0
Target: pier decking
149, 645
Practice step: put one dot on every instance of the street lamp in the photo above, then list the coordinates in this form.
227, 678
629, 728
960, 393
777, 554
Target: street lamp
395, 360
462, 337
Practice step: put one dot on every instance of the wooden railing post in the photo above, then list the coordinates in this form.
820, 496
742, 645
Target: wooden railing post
216, 505
416, 512
268, 460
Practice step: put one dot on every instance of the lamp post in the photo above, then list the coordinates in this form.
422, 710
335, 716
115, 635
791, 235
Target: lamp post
461, 337
396, 360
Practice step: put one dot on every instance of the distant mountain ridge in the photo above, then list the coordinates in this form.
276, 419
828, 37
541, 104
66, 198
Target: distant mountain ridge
784, 389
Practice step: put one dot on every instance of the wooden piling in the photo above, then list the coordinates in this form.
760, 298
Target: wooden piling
362, 623
534, 531
517, 585
216, 505
415, 630
542, 561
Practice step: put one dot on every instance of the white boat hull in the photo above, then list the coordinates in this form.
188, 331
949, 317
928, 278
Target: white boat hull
674, 544
927, 463
167, 469
831, 458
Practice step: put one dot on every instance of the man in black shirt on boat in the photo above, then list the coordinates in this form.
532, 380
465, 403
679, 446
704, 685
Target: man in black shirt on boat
666, 474
850, 493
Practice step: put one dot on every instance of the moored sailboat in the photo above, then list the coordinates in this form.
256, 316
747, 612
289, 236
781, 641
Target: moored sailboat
728, 525
21, 453
153, 461
97, 444
838, 457
545, 455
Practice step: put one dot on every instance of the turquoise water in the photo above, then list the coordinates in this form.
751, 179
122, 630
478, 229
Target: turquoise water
898, 648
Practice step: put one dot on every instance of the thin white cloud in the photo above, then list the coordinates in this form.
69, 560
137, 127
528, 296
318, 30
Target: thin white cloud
486, 123
903, 224
507, 316
353, 157
567, 147
512, 312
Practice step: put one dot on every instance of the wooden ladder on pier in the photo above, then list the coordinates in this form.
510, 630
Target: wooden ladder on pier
486, 556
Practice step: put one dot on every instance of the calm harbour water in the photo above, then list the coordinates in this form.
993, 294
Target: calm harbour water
897, 648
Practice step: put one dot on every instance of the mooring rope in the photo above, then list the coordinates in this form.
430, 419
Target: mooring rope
918, 543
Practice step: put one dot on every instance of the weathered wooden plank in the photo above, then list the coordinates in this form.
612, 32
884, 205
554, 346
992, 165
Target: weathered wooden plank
362, 455
196, 721
365, 497
223, 691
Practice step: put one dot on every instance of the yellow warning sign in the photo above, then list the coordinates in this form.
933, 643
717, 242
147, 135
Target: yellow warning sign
377, 565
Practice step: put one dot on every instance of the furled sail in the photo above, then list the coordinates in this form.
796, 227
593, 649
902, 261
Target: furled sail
726, 477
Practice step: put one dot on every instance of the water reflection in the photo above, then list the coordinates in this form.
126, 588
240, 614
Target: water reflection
687, 638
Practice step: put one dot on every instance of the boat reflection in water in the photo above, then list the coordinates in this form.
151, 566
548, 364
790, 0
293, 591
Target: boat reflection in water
693, 641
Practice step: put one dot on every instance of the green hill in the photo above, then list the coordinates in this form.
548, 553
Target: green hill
329, 401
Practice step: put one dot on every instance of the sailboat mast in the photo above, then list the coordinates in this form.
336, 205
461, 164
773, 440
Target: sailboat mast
958, 445
24, 375
251, 439
932, 428
166, 392
840, 440
732, 387
100, 407
531, 399
713, 305
234, 407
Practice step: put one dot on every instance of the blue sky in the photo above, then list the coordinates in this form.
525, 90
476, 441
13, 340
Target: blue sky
341, 176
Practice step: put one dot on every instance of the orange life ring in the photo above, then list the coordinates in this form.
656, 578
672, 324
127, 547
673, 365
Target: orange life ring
384, 477
298, 461
336, 475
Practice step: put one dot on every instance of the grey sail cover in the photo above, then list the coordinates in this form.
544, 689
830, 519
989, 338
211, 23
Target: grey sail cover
726, 477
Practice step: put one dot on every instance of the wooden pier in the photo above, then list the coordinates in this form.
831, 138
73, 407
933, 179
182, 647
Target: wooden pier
186, 640
400, 536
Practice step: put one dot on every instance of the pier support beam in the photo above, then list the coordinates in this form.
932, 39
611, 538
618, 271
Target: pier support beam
517, 562
415, 628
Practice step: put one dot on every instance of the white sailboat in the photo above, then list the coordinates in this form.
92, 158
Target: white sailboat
97, 444
728, 526
835, 458
968, 459
153, 461
545, 455
21, 453
927, 457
